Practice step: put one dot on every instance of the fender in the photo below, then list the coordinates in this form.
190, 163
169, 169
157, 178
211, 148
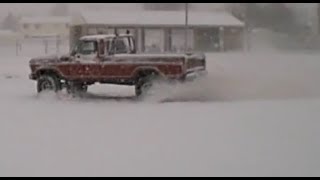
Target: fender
54, 70
144, 68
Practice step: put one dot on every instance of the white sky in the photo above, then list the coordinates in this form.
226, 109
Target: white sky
43, 8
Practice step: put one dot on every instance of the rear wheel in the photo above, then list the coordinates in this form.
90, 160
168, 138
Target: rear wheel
76, 88
145, 83
48, 83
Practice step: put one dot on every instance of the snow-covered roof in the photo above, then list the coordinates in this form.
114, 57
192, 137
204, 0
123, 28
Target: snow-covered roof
48, 19
100, 36
160, 18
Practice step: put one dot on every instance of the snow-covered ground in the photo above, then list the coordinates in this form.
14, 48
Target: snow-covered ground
258, 116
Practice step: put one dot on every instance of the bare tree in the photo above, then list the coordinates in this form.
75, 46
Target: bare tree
10, 22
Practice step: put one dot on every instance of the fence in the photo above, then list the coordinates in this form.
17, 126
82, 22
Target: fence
34, 46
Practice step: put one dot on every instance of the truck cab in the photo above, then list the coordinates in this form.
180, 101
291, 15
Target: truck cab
98, 46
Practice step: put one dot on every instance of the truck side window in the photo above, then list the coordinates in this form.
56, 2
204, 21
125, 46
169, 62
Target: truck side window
88, 47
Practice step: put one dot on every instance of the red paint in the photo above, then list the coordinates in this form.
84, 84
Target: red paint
114, 68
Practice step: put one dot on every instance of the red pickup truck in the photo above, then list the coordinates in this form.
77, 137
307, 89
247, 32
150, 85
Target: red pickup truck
112, 59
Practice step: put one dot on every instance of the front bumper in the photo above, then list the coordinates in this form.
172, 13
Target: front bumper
192, 75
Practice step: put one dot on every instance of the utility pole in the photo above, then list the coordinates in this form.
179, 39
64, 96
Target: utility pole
247, 26
186, 26
318, 19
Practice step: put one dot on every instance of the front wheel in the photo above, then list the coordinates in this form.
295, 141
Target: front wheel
48, 83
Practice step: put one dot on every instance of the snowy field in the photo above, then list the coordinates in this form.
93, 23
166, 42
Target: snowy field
254, 115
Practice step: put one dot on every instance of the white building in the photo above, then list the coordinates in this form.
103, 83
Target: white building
50, 26
165, 30
9, 37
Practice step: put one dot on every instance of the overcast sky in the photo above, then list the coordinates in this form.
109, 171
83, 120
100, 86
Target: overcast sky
303, 10
42, 8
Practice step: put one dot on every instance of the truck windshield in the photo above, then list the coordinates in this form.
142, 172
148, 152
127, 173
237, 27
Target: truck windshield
87, 47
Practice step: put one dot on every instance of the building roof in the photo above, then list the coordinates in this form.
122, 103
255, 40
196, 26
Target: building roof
101, 36
46, 19
160, 18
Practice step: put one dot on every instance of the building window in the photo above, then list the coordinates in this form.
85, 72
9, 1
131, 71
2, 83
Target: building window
154, 40
25, 26
92, 31
101, 31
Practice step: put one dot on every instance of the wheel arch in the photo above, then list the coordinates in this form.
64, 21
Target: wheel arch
145, 71
48, 71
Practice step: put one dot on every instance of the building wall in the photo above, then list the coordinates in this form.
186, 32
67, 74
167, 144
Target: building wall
43, 29
233, 39
207, 39
173, 39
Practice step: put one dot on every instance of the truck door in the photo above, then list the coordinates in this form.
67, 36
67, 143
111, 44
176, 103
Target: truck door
113, 65
85, 64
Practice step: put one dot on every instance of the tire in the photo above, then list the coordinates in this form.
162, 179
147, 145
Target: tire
48, 83
144, 84
76, 89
